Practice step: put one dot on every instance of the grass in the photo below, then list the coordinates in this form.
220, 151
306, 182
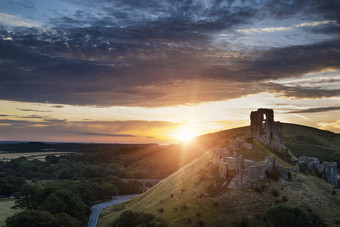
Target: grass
307, 141
191, 188
6, 211
185, 202
30, 155
269, 152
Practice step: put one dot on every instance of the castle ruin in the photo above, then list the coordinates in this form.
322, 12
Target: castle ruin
266, 130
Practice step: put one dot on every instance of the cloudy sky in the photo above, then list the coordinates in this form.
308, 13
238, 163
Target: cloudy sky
151, 70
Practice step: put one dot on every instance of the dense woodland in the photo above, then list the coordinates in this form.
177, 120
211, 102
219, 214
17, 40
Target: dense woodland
60, 190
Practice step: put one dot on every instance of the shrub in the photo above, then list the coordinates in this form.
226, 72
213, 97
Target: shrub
200, 223
284, 199
161, 210
273, 174
130, 218
283, 215
317, 220
215, 204
185, 207
290, 176
258, 190
275, 193
242, 222
333, 192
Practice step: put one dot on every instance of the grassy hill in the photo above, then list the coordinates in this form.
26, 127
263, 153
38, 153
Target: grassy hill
301, 140
308, 141
188, 197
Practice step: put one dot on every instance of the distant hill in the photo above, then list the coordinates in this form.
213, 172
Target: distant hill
308, 141
188, 197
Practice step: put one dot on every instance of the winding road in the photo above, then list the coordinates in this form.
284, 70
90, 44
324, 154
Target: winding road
96, 209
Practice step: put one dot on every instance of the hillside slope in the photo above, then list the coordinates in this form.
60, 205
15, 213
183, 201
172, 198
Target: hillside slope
301, 140
188, 198
308, 141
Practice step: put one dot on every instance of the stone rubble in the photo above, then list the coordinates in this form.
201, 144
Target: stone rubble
264, 129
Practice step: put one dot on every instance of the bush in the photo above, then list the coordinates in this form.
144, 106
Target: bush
290, 176
161, 210
275, 193
242, 222
215, 204
32, 219
283, 216
131, 219
185, 207
200, 223
273, 174
258, 190
284, 199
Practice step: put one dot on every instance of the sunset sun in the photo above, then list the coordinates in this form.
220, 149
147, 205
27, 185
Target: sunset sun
185, 134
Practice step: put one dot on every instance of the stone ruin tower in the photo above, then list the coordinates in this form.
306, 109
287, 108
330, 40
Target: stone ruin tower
266, 130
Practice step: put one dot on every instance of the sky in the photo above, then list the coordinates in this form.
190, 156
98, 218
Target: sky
150, 71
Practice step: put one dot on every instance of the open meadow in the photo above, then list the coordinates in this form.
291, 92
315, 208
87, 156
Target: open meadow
6, 211
29, 155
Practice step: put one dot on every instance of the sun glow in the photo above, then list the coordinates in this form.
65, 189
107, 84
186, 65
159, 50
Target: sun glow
185, 134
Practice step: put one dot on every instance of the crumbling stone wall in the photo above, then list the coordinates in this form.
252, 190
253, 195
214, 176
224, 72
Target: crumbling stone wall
256, 171
266, 130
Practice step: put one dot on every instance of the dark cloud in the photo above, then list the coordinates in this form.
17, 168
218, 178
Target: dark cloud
33, 110
317, 110
61, 130
58, 106
33, 116
101, 134
327, 9
301, 91
137, 53
4, 115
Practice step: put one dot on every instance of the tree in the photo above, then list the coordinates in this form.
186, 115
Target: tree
292, 216
127, 219
52, 159
65, 220
32, 218
29, 197
131, 219
109, 190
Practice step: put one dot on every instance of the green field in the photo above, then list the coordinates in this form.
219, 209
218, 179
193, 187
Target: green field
30, 155
6, 211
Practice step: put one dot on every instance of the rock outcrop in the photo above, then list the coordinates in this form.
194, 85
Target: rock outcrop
326, 170
330, 173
